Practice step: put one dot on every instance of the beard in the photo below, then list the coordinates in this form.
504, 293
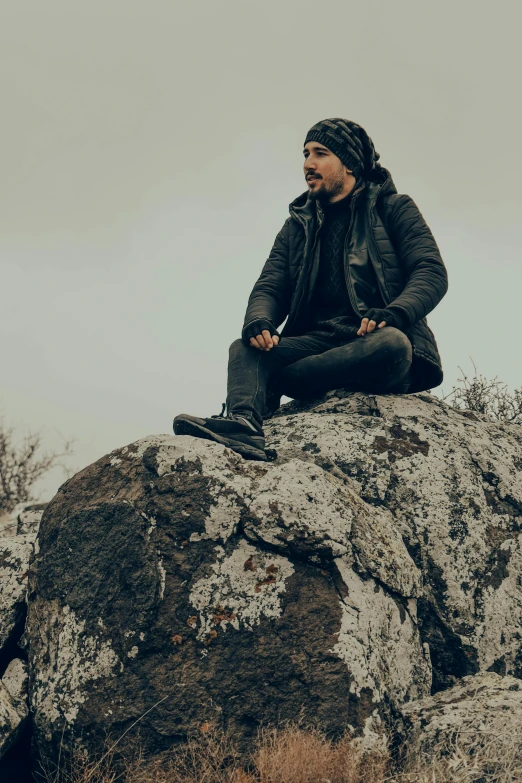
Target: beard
329, 190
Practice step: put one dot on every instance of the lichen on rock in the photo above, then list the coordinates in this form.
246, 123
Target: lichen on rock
376, 558
13, 715
380, 644
69, 662
15, 554
477, 710
243, 589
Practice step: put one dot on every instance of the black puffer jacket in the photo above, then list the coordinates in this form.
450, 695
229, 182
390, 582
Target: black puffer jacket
389, 233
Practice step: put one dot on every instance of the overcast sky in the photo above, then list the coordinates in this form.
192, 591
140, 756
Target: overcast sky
149, 154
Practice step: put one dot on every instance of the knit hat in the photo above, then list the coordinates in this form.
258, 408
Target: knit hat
349, 142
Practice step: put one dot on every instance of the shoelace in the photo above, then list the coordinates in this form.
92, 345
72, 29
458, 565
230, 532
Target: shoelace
222, 414
241, 418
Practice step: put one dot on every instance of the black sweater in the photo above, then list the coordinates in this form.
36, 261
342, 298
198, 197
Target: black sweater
330, 299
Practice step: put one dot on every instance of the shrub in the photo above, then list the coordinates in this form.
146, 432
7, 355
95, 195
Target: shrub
297, 755
22, 464
488, 396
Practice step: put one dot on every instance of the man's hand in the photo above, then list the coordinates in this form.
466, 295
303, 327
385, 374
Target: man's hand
264, 341
260, 334
376, 318
368, 326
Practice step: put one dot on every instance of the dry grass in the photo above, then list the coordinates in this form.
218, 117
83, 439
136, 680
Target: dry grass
78, 768
209, 758
292, 755
296, 755
492, 754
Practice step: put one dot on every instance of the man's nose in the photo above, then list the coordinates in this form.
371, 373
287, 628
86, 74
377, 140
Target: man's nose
309, 165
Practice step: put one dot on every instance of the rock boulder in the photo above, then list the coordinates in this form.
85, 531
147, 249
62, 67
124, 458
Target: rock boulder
18, 531
17, 536
470, 731
183, 587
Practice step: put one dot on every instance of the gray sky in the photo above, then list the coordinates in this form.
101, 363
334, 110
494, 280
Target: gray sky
150, 150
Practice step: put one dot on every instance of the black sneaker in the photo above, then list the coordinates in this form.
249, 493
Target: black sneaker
236, 432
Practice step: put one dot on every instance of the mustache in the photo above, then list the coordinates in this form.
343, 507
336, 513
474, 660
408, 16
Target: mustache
313, 176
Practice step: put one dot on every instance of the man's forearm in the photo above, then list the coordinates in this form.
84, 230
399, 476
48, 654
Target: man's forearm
425, 272
422, 293
269, 300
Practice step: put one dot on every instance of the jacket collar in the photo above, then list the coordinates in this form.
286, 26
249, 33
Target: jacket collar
380, 184
305, 209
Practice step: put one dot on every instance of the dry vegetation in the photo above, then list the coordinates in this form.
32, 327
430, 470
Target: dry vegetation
296, 755
488, 396
22, 464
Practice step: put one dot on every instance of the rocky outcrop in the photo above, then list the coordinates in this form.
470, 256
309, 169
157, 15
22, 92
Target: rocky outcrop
452, 481
17, 537
474, 724
210, 591
14, 564
13, 714
13, 703
23, 520
15, 680
375, 558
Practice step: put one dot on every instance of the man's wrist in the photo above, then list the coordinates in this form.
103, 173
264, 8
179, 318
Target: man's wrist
392, 315
256, 327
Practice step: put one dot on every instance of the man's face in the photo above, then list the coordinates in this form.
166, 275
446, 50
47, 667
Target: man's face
327, 178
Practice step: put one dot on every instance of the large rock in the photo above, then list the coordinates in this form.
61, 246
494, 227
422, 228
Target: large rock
18, 531
22, 520
453, 483
180, 585
15, 554
13, 710
473, 727
17, 536
15, 679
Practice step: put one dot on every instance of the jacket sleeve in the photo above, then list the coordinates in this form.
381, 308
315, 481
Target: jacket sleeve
270, 297
426, 276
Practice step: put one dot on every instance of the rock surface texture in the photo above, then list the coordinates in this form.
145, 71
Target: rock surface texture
17, 539
479, 708
375, 558
17, 536
13, 713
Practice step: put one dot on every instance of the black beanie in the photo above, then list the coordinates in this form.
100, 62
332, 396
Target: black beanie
349, 142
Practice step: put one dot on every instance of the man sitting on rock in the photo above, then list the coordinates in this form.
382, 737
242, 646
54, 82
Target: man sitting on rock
354, 271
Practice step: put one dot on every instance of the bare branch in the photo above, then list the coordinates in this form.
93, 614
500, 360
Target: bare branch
22, 464
488, 396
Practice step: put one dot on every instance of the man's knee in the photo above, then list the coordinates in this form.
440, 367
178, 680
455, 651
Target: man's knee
237, 348
395, 361
395, 344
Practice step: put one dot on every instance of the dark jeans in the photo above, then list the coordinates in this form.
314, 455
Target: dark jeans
310, 365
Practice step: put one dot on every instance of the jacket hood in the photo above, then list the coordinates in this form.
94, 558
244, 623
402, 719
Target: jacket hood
305, 208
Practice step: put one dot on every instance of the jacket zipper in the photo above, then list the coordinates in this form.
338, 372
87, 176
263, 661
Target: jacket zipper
348, 277
307, 271
382, 288
384, 293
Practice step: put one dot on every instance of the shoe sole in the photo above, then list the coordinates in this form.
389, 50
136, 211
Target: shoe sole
191, 426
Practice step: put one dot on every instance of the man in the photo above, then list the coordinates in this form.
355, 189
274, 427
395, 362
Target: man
354, 271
